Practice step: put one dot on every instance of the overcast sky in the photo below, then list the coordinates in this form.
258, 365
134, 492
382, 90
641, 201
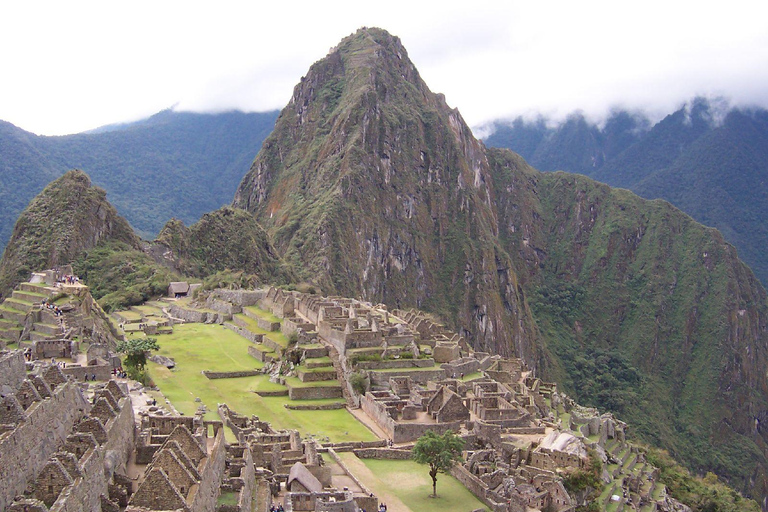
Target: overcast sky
72, 66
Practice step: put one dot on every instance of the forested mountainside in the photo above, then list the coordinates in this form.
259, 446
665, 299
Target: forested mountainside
174, 164
709, 161
372, 186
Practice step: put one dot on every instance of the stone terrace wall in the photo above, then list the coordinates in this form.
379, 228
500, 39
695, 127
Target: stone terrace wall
12, 369
194, 315
240, 329
383, 453
25, 450
314, 393
231, 375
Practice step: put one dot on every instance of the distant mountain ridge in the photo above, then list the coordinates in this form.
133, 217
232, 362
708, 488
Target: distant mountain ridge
173, 164
710, 162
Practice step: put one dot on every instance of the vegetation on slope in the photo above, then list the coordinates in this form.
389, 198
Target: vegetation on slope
708, 161
227, 239
646, 312
68, 217
120, 276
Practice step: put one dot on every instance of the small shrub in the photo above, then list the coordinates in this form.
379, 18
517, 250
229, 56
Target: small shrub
359, 383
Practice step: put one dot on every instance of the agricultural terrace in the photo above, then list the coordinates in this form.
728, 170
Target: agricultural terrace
197, 347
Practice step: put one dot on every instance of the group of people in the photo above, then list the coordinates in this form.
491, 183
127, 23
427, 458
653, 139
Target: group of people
276, 508
53, 308
382, 507
118, 372
68, 279
92, 377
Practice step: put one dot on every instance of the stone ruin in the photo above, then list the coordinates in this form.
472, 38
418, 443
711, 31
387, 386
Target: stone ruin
58, 450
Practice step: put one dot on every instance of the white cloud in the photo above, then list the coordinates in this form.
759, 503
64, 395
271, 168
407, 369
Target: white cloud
72, 66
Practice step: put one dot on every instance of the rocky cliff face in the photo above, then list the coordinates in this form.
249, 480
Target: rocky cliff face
372, 186
67, 218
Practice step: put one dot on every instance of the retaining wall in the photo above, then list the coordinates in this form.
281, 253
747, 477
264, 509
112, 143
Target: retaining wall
314, 393
241, 329
231, 375
383, 453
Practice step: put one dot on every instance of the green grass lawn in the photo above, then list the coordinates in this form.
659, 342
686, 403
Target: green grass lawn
129, 315
411, 483
197, 347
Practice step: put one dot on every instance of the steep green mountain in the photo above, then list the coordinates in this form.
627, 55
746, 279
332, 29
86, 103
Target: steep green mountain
372, 186
174, 164
225, 239
710, 165
68, 217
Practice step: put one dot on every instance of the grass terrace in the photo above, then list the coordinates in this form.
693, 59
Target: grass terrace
198, 347
276, 336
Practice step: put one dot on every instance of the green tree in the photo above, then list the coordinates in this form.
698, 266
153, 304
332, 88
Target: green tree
439, 451
135, 351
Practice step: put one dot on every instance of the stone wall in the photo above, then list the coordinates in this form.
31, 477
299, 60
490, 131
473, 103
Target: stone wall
84, 495
291, 325
421, 376
477, 487
241, 297
259, 355
241, 329
267, 325
314, 393
231, 375
396, 363
211, 476
12, 369
26, 449
248, 474
383, 453
195, 315
78, 373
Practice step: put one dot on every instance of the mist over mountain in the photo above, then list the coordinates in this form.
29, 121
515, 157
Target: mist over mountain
709, 161
173, 164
